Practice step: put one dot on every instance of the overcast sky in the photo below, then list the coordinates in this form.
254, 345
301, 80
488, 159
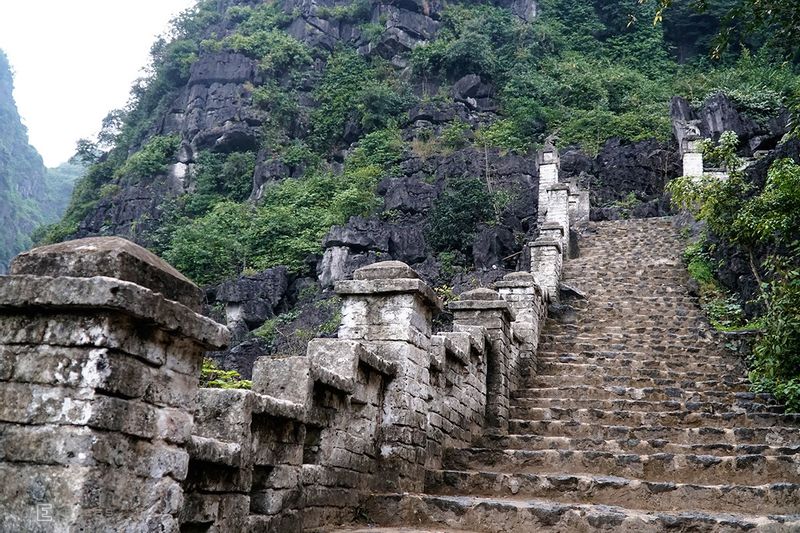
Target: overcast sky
75, 60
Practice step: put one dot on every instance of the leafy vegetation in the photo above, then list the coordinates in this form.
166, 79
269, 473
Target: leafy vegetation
757, 221
212, 377
455, 217
579, 70
353, 91
30, 195
290, 221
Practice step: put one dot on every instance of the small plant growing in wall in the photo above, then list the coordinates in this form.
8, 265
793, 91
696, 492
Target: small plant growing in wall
213, 377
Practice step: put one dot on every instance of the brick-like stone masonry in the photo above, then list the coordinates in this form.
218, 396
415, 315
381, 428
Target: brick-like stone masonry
103, 426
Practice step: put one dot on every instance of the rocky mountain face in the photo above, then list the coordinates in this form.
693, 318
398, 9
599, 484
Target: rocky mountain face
282, 145
29, 196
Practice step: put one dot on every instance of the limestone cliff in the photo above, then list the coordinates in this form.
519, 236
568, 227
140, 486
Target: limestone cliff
29, 196
278, 146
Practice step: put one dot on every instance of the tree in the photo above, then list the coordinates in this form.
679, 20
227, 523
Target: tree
781, 18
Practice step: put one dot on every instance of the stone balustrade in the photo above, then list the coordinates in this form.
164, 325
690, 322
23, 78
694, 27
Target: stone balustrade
103, 426
100, 355
563, 210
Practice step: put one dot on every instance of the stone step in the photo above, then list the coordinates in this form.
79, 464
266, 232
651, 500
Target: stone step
664, 282
655, 378
753, 469
632, 357
768, 499
651, 393
672, 418
519, 515
521, 407
401, 529
775, 436
563, 365
673, 342
631, 256
650, 350
641, 317
597, 333
633, 330
633, 445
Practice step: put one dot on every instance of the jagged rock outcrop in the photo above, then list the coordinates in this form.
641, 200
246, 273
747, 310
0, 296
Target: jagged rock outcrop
719, 114
626, 179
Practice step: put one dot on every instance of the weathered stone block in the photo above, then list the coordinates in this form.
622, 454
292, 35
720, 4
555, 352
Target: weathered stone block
287, 378
112, 257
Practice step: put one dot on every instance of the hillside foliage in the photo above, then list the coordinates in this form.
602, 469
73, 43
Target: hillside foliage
580, 70
760, 220
30, 195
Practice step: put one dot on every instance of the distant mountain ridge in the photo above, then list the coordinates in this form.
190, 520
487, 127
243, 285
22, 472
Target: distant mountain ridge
30, 195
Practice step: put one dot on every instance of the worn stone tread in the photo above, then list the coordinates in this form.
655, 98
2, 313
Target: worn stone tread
506, 515
632, 417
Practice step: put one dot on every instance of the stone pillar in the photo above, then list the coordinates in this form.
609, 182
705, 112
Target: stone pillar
389, 308
548, 176
546, 261
100, 354
692, 157
526, 300
485, 308
579, 209
558, 212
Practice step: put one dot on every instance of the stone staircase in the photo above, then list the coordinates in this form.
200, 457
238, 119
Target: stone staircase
634, 419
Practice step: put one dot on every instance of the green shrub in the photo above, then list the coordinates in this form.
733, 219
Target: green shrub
214, 246
504, 134
454, 136
453, 221
289, 223
747, 218
269, 329
353, 90
351, 12
151, 160
212, 377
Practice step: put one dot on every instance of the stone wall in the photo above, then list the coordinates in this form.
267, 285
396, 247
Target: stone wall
100, 354
102, 423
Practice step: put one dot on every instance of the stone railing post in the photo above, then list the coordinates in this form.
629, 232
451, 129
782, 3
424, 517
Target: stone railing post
100, 353
579, 209
558, 213
387, 307
525, 298
546, 261
692, 157
548, 177
485, 308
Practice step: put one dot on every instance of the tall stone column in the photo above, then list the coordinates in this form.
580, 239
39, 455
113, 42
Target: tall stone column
485, 308
101, 345
546, 261
389, 308
548, 177
692, 157
558, 213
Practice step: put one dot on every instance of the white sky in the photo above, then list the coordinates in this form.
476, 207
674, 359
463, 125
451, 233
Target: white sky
75, 60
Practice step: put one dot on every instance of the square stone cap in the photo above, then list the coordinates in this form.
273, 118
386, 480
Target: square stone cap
517, 280
112, 257
543, 243
552, 226
481, 299
379, 287
98, 294
559, 187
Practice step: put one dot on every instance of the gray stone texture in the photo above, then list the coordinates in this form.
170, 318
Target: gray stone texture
101, 416
100, 354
